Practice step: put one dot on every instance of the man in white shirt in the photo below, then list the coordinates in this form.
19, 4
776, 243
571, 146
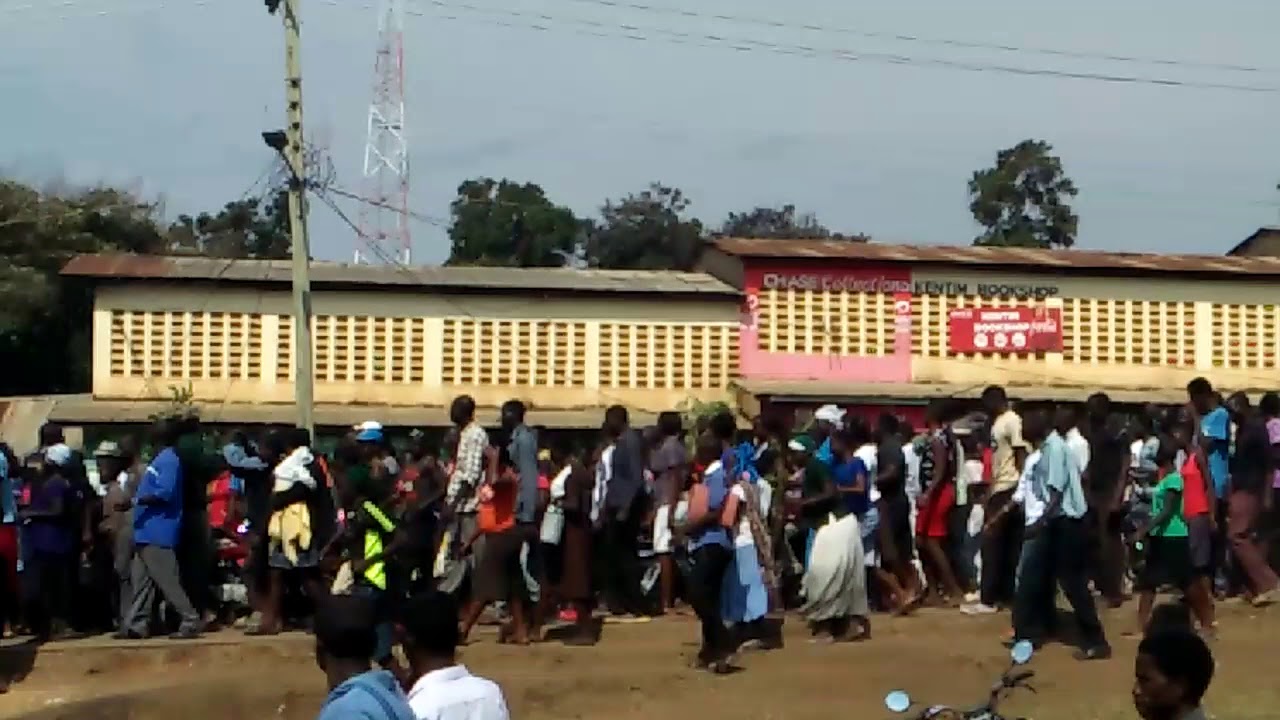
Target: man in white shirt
444, 689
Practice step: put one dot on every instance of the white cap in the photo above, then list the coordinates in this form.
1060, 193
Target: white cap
831, 414
368, 425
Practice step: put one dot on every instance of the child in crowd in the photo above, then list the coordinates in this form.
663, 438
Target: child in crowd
1170, 675
1168, 554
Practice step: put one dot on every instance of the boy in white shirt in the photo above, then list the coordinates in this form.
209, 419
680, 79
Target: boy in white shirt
444, 689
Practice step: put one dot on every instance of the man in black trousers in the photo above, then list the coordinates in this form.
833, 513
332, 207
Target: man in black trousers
620, 519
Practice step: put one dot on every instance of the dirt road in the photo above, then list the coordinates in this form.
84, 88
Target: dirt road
639, 672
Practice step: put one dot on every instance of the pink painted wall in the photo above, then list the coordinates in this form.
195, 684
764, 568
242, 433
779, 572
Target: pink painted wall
761, 364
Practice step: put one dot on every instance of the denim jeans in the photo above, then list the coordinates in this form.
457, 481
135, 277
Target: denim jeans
1033, 602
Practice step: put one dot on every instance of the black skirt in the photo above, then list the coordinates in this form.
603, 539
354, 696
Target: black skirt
1168, 563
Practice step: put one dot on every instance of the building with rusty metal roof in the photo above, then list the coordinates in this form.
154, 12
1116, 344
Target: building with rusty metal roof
901, 324
397, 344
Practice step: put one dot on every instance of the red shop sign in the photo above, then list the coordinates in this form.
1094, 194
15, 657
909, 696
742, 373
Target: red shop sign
1005, 331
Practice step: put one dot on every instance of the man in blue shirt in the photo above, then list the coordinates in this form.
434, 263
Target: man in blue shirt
1215, 431
157, 518
1064, 520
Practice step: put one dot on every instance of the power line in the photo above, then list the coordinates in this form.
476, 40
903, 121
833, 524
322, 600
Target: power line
922, 39
551, 23
544, 22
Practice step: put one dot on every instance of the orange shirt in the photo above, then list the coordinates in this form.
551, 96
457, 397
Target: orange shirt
498, 513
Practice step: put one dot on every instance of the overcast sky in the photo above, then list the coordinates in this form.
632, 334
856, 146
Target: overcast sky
170, 95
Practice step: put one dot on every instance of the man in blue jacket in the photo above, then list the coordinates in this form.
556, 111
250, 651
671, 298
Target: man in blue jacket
345, 643
157, 518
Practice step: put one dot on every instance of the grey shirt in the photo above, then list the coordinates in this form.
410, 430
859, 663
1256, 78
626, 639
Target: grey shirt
523, 450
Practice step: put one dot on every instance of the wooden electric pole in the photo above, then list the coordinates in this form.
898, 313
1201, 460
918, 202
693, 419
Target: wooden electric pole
294, 154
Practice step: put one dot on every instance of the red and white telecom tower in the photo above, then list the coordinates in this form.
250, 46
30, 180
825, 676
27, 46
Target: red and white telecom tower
384, 214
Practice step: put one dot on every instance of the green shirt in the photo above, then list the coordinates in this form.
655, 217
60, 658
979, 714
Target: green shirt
1177, 524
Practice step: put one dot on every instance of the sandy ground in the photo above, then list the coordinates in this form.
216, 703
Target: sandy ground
640, 671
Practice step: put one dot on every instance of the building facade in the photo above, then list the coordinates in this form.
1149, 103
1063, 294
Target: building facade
400, 343
908, 323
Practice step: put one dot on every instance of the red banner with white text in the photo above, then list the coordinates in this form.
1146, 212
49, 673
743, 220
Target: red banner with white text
1005, 331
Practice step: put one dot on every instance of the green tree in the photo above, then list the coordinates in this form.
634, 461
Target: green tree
1022, 201
249, 228
646, 231
44, 322
508, 223
783, 223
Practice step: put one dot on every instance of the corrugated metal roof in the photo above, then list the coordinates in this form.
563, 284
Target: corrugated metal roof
160, 267
998, 256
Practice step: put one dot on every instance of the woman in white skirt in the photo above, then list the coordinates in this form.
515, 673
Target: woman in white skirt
835, 583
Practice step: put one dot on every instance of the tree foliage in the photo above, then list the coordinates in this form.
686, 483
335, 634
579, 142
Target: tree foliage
45, 327
780, 223
249, 228
649, 230
501, 222
1022, 201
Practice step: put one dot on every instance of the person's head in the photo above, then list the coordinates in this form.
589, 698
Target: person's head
1171, 674
616, 421
563, 451
1097, 408
1063, 418
57, 458
709, 448
906, 430
826, 420
859, 432
1239, 406
429, 627
1170, 616
462, 410
1269, 405
51, 434
1181, 431
937, 413
842, 443
297, 438
239, 437
1035, 427
670, 424
724, 426
1141, 427
512, 414
346, 636
1166, 453
1202, 396
111, 461
887, 426
164, 433
994, 400
801, 448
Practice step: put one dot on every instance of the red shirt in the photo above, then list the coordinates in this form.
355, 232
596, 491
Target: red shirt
1195, 501
222, 502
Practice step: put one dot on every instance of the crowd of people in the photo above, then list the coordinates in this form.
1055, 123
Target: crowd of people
985, 510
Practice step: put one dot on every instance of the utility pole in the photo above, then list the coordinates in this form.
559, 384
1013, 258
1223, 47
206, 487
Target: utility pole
292, 150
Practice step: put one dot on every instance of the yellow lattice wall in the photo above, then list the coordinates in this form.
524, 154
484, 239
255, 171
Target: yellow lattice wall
826, 323
182, 345
514, 352
1245, 336
670, 356
1132, 332
363, 356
